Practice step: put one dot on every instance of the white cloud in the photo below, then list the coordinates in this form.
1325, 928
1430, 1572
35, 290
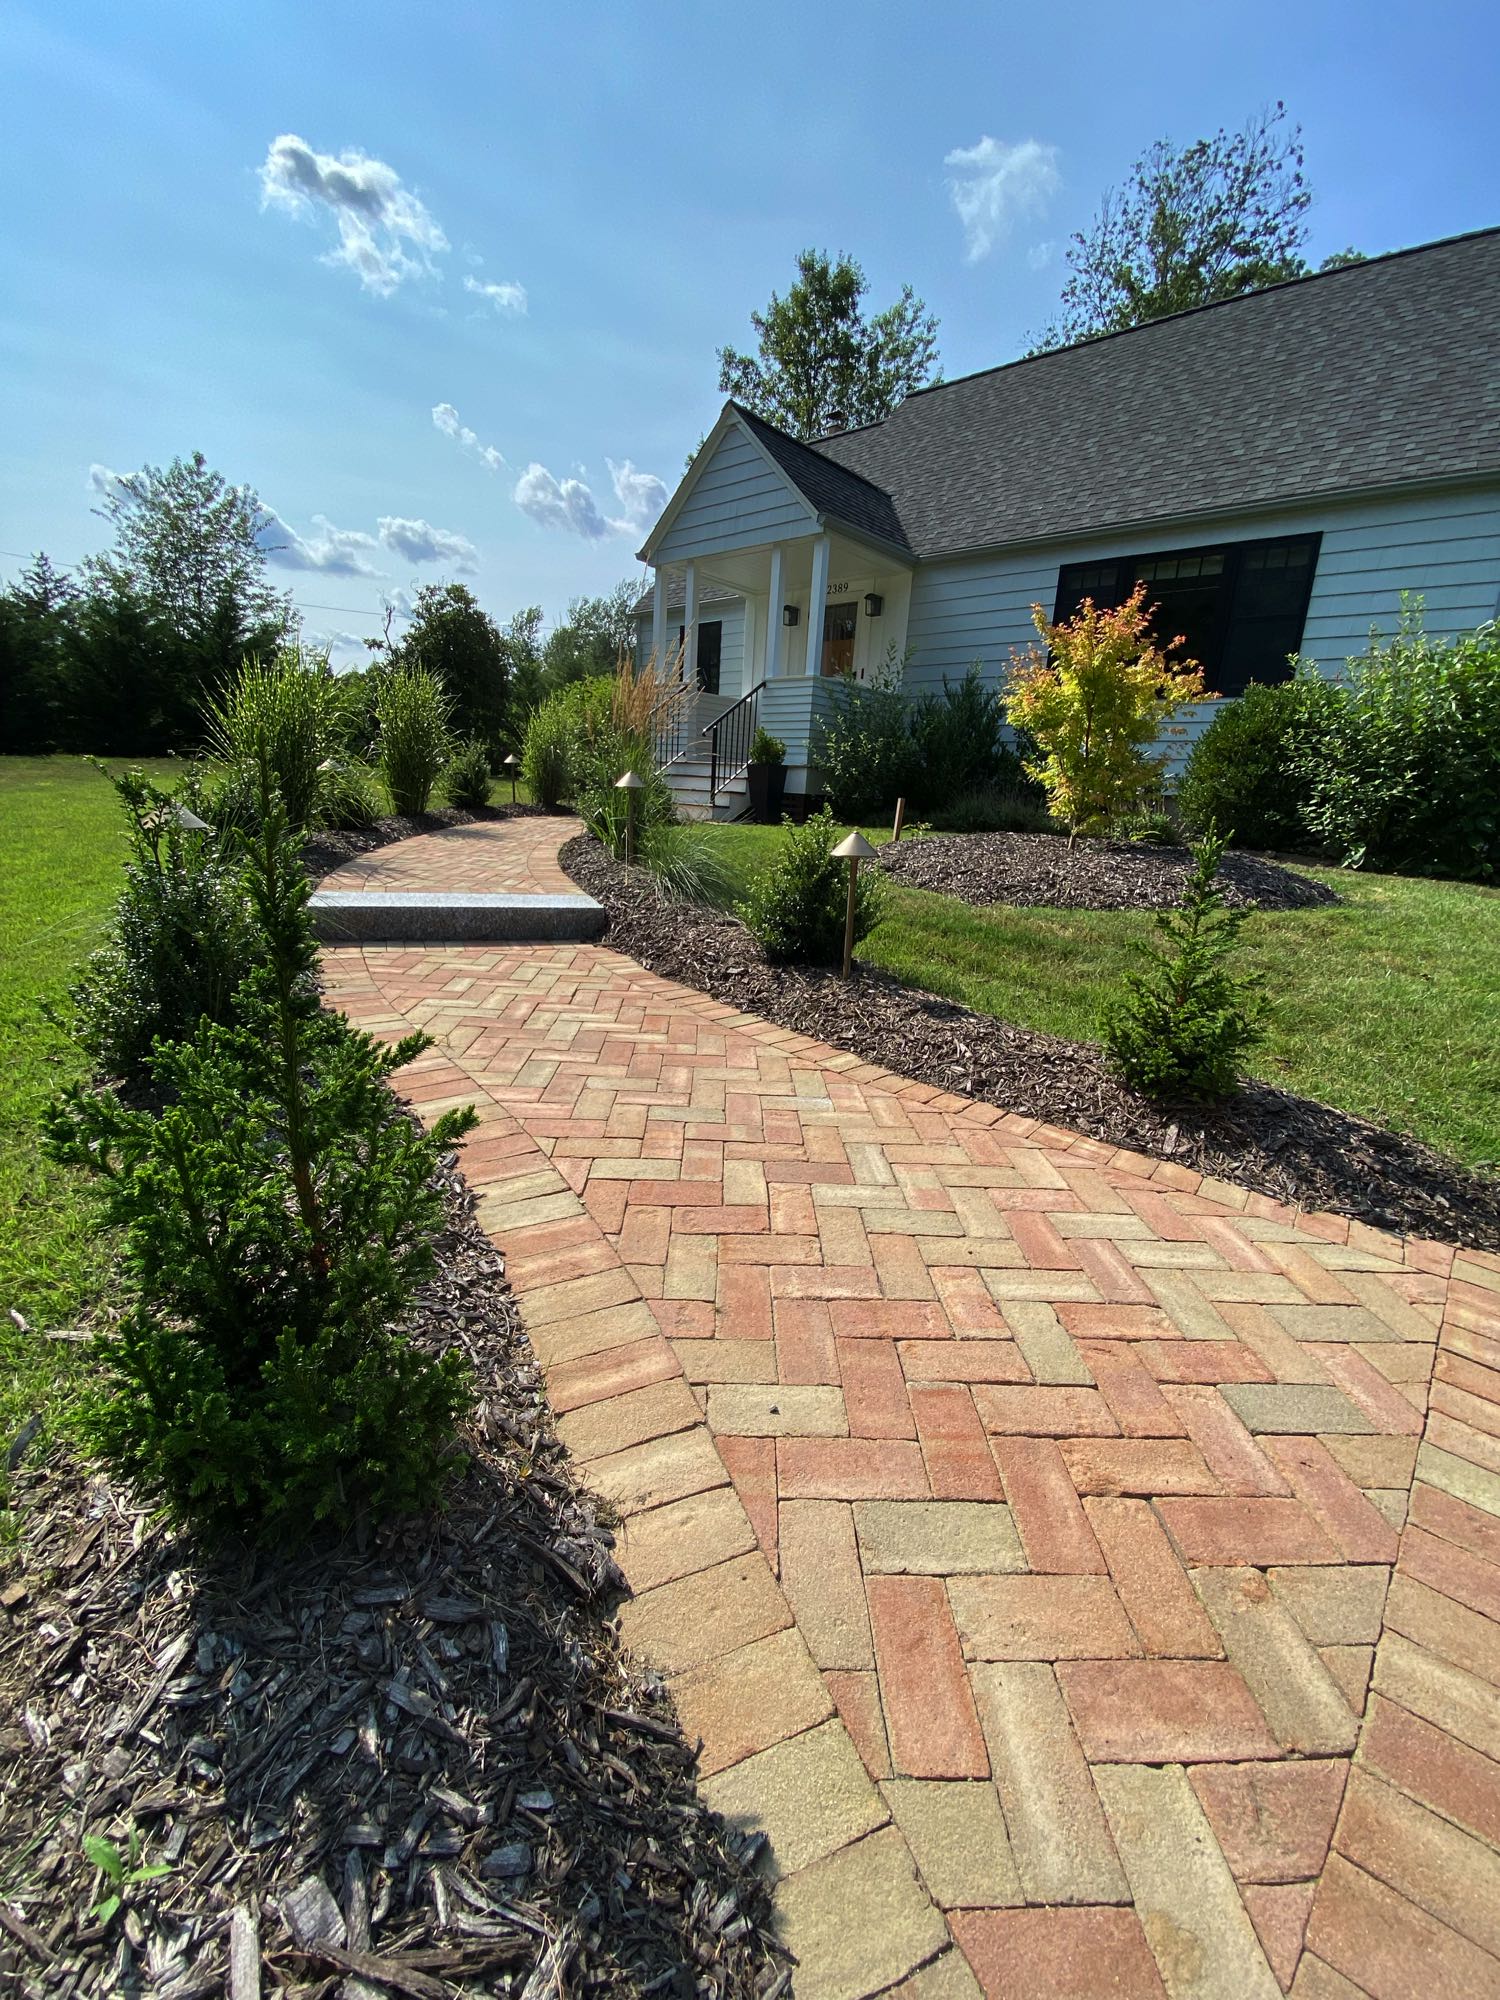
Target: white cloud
641, 495
335, 551
994, 183
569, 504
1040, 255
446, 418
508, 300
386, 234
104, 482
420, 542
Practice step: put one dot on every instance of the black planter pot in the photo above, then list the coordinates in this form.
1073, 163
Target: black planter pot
766, 784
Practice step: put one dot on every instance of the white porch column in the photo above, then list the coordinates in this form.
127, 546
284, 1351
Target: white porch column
748, 646
817, 598
773, 616
690, 624
659, 617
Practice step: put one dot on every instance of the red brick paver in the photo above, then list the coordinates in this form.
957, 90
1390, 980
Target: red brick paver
1023, 1523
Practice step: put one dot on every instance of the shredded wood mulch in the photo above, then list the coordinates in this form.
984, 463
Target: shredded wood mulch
325, 850
1041, 870
414, 1763
1289, 1147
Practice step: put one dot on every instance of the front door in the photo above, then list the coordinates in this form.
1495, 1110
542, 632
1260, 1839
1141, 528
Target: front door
838, 640
710, 652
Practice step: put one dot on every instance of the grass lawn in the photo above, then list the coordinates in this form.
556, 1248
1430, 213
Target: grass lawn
1387, 1005
62, 845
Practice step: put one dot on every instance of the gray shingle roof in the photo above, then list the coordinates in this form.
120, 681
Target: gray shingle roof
843, 491
1379, 374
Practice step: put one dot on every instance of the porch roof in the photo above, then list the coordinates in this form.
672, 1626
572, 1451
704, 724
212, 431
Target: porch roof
837, 491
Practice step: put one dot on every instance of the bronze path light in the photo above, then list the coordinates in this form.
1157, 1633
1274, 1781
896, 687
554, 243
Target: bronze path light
630, 784
512, 764
853, 850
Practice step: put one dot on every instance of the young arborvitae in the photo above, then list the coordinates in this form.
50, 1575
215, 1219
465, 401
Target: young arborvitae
1187, 1020
278, 1216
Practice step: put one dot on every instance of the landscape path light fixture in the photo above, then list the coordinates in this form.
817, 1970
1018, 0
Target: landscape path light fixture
513, 765
183, 815
853, 850
630, 784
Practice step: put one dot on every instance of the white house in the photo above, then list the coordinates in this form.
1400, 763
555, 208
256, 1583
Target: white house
1279, 469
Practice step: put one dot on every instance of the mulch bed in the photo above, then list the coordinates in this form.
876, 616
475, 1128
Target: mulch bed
325, 850
1041, 870
412, 1763
1289, 1147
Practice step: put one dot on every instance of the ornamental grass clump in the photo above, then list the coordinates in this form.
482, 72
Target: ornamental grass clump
291, 709
277, 1218
1187, 1021
1092, 697
413, 713
797, 908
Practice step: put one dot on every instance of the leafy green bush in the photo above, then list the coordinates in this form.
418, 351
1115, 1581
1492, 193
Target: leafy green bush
564, 740
1406, 775
350, 797
797, 908
277, 1216
414, 743
1152, 829
1250, 769
466, 782
766, 748
291, 706
960, 736
1187, 1020
866, 751
181, 940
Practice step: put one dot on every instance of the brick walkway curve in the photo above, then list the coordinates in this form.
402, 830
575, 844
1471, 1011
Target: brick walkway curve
1087, 1576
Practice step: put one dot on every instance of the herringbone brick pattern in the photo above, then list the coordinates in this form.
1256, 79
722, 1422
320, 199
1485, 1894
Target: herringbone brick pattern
1028, 1529
516, 856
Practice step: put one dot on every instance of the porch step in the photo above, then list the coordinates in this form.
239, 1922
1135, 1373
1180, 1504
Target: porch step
424, 916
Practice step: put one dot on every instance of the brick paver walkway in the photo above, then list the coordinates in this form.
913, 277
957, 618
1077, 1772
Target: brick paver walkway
1080, 1572
515, 856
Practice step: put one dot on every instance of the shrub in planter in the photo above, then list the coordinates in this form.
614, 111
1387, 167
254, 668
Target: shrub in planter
1250, 770
181, 939
1094, 696
1407, 773
1186, 1022
466, 782
277, 1216
765, 775
414, 742
292, 709
797, 908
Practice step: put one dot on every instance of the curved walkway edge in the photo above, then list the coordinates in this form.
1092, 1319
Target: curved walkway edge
1087, 1577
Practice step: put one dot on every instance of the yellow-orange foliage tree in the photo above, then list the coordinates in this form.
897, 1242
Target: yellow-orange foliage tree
1093, 697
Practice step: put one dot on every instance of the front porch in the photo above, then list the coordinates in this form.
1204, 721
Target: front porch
816, 610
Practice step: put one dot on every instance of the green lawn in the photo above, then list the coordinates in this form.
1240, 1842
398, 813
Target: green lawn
62, 845
1387, 1005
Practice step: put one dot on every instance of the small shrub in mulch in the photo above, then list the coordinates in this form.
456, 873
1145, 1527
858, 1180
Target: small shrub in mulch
1041, 870
416, 1759
1289, 1147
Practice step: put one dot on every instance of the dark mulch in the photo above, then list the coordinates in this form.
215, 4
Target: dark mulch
1267, 1139
325, 850
1040, 869
414, 1762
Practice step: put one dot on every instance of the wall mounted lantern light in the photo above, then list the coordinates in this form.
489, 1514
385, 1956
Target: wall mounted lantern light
789, 614
874, 604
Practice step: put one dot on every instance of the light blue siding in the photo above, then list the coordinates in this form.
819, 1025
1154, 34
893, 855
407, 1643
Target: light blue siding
731, 614
1444, 548
738, 501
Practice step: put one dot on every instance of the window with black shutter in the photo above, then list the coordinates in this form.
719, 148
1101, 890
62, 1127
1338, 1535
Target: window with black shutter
1239, 606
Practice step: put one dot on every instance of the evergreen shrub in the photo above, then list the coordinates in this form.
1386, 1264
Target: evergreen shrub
798, 907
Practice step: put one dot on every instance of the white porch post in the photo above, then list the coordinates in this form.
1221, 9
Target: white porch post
748, 645
773, 616
659, 617
817, 598
690, 624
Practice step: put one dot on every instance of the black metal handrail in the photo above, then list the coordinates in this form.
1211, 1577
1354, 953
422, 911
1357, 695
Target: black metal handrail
729, 741
671, 719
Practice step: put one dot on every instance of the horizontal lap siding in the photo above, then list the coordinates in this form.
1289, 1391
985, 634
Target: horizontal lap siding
732, 645
738, 501
1444, 548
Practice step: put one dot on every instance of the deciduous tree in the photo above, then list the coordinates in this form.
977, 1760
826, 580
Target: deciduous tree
452, 638
821, 362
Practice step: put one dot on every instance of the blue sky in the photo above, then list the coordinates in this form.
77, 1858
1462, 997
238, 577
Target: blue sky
444, 283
